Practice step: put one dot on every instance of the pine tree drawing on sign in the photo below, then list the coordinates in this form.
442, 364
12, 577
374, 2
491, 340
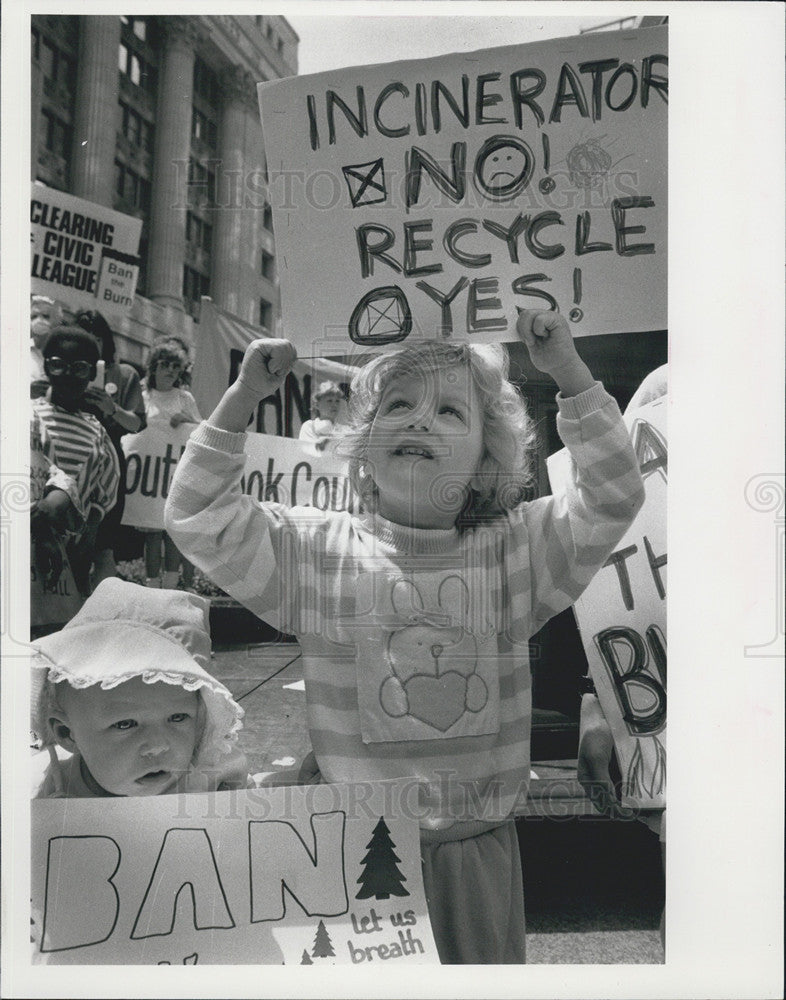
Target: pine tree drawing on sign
323, 946
381, 877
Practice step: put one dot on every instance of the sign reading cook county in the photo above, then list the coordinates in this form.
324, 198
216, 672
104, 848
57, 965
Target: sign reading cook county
438, 197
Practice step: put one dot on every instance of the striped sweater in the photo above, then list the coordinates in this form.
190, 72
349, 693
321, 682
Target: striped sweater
77, 446
415, 641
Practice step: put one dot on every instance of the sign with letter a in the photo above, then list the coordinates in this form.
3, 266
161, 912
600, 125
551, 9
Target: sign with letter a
622, 619
297, 875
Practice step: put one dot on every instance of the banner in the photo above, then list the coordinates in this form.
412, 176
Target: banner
302, 875
296, 474
221, 342
435, 197
151, 457
83, 254
278, 469
622, 620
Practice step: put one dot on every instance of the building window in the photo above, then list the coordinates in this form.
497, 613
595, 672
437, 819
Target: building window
203, 129
138, 131
265, 314
195, 285
201, 184
205, 82
59, 70
268, 265
56, 134
135, 68
267, 218
131, 188
199, 232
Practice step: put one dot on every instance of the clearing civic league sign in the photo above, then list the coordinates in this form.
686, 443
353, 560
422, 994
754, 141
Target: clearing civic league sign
301, 875
433, 198
82, 254
622, 619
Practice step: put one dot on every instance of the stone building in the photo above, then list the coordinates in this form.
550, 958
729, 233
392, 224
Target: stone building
156, 117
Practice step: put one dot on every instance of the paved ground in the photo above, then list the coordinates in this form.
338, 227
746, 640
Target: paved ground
594, 888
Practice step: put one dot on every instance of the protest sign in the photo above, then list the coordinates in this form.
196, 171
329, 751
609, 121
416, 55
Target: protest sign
221, 342
302, 875
83, 254
151, 457
622, 620
435, 197
278, 469
297, 474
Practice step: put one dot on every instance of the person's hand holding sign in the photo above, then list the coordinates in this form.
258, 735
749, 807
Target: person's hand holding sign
266, 364
552, 350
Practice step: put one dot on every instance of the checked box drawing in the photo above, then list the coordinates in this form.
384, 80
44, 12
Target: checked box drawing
381, 317
366, 183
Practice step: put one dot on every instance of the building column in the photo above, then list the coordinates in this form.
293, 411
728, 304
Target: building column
167, 244
233, 255
96, 110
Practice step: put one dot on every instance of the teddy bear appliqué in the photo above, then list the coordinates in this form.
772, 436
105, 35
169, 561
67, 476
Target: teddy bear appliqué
433, 664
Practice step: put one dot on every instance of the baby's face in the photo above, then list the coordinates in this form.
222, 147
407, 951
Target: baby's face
425, 446
136, 739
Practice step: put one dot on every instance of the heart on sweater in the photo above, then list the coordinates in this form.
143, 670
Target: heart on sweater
437, 701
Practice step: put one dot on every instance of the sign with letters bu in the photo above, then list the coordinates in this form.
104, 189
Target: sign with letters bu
302, 875
83, 254
622, 620
435, 197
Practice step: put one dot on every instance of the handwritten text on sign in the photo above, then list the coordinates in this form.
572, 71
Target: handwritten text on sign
305, 875
83, 254
277, 469
622, 619
450, 192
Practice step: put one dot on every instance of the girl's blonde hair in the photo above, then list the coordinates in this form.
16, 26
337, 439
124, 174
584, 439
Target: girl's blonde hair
506, 467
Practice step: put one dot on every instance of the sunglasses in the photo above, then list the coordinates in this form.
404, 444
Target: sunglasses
59, 366
173, 366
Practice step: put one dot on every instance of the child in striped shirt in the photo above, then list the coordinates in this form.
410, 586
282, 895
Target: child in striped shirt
74, 444
414, 616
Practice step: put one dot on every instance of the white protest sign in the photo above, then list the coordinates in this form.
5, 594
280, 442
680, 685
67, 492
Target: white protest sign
302, 875
83, 254
622, 620
296, 474
151, 457
434, 197
279, 469
222, 339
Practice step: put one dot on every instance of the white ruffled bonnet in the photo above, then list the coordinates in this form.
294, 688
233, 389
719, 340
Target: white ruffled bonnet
124, 631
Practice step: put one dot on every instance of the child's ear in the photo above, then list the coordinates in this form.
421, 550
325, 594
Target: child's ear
62, 733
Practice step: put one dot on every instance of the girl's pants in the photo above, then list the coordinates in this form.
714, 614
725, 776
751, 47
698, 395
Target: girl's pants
475, 897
